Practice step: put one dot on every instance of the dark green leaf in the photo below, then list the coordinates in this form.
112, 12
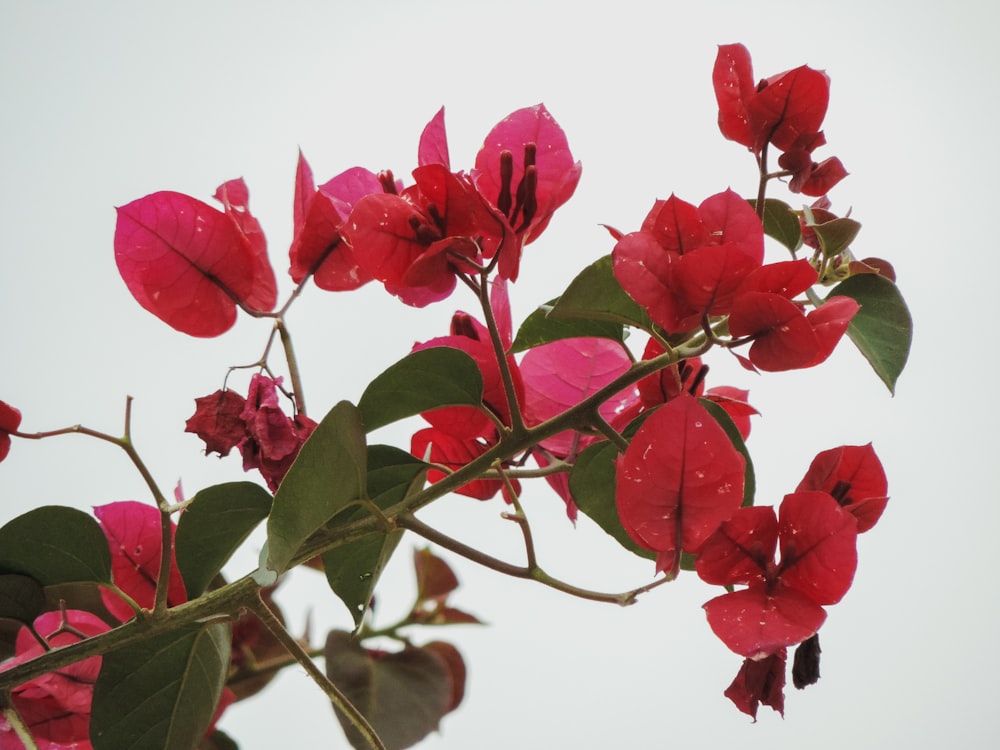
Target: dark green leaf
836, 236
393, 475
328, 474
161, 694
596, 295
727, 424
424, 380
22, 598
218, 740
541, 328
85, 596
54, 544
781, 223
353, 569
592, 484
882, 329
403, 695
213, 526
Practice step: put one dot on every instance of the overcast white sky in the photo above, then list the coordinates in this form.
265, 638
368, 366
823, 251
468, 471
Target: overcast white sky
106, 102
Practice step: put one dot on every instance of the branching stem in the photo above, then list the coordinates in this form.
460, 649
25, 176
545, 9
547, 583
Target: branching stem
602, 426
243, 593
528, 572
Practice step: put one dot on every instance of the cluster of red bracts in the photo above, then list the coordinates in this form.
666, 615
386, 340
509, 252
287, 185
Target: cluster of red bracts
842, 495
680, 488
192, 265
688, 265
416, 239
785, 110
267, 438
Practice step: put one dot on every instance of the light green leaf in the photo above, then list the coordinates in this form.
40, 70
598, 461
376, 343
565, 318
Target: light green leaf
882, 329
214, 524
55, 544
781, 223
541, 328
424, 380
161, 694
328, 474
836, 235
595, 294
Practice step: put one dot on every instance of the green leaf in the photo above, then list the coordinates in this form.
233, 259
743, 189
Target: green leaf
726, 422
328, 474
213, 526
54, 544
403, 695
393, 475
424, 380
353, 569
882, 329
595, 294
835, 236
218, 740
22, 598
592, 484
781, 223
541, 328
161, 694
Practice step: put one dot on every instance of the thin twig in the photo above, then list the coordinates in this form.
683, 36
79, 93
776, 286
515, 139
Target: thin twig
516, 420
293, 365
626, 598
339, 700
16, 722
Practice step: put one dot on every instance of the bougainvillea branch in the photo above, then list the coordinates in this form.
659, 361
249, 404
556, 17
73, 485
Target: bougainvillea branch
636, 441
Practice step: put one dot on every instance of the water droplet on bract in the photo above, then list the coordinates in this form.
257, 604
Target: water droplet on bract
364, 576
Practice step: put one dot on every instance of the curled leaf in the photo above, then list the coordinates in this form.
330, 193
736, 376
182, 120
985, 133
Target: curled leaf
403, 695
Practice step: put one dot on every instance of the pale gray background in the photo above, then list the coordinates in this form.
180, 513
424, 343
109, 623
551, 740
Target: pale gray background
101, 103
